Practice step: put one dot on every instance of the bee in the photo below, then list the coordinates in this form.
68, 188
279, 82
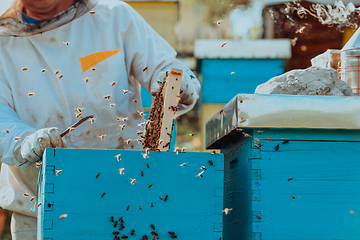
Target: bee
132, 232
277, 147
160, 197
290, 178
121, 228
139, 140
140, 208
122, 126
57, 72
58, 172
32, 199
86, 80
126, 91
120, 219
107, 96
26, 195
145, 237
78, 114
7, 131
145, 156
203, 168
102, 136
66, 43
176, 150
256, 140
63, 216
257, 146
242, 120
259, 132
71, 129
135, 100
227, 211
116, 233
270, 138
150, 185
79, 109
111, 219
60, 76
17, 138
219, 22
121, 171
222, 45
258, 217
232, 73
213, 152
102, 195
139, 132
145, 69
142, 173
127, 141
24, 68
293, 197
112, 104
92, 12
160, 141
183, 150
200, 174
151, 204
293, 41
141, 113
152, 227
211, 163
173, 235
133, 181
165, 198
31, 94
127, 208
92, 120
112, 84
246, 135
183, 164
147, 165
285, 142
39, 204
300, 30
115, 224
93, 68
44, 70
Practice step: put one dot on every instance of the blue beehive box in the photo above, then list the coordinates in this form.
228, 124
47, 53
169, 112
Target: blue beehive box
80, 201
292, 166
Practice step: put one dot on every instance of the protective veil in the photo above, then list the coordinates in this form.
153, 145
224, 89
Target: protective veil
83, 58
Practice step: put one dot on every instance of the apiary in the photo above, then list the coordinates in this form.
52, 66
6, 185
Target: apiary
130, 194
291, 166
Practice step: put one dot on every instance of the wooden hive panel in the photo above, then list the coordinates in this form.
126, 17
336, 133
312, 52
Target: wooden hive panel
292, 184
193, 209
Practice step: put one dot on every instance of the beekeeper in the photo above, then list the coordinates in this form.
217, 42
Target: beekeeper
62, 60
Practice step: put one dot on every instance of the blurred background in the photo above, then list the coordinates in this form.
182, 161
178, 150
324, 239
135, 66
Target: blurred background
263, 39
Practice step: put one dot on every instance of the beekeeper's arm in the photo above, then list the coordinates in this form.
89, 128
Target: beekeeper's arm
20, 143
145, 48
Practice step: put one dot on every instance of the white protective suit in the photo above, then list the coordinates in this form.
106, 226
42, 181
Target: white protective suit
33, 97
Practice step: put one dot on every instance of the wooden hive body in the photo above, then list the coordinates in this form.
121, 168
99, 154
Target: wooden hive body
192, 210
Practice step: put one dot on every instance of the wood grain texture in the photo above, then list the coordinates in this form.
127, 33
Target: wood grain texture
298, 189
192, 209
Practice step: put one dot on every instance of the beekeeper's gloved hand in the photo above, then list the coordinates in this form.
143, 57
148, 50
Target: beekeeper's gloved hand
187, 91
33, 146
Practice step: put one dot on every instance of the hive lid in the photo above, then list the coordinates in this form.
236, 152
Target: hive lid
259, 49
282, 111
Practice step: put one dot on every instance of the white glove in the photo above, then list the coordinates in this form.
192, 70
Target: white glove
33, 147
187, 92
